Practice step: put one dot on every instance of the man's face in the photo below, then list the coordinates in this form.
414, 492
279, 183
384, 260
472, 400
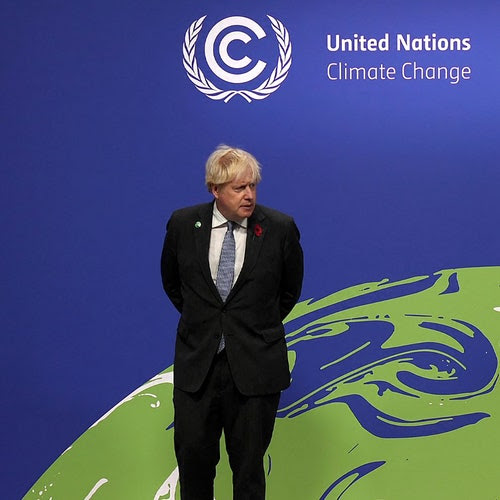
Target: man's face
236, 199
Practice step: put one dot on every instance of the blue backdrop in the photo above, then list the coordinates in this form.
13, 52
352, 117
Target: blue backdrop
103, 135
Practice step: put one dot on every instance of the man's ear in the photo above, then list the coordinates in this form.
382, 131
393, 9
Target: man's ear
215, 191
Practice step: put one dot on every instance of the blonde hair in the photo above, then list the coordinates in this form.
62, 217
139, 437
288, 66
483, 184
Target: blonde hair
227, 163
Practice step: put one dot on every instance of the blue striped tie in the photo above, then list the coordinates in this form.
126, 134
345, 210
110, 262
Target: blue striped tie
225, 271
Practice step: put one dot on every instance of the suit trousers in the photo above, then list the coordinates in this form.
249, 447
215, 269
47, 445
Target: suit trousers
200, 418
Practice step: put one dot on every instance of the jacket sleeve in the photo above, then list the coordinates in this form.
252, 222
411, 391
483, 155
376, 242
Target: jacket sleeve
293, 270
170, 268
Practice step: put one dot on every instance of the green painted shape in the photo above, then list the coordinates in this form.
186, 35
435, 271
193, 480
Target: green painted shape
128, 453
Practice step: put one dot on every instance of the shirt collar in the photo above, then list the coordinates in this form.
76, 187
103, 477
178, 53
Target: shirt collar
219, 220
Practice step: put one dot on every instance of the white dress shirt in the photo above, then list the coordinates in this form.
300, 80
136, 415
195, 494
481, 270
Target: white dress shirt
219, 228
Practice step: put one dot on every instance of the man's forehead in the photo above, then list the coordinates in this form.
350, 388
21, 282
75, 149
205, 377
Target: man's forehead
244, 177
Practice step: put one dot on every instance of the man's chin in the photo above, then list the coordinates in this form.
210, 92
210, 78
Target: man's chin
245, 212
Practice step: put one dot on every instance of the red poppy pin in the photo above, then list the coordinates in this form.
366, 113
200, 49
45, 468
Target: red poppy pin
257, 230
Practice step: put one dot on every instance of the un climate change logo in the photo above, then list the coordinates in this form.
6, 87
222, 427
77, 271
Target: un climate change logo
204, 85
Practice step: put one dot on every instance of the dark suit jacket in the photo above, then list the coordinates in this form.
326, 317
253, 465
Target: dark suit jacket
251, 318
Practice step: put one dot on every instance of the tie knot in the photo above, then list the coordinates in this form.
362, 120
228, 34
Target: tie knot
230, 226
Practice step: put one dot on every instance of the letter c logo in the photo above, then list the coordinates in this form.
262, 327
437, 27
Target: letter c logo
223, 49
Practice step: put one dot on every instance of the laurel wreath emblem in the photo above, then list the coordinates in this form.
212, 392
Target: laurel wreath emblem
204, 85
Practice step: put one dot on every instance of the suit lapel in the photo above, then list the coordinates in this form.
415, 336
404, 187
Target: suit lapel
202, 234
256, 232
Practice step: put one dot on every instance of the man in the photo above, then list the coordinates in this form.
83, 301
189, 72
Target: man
233, 269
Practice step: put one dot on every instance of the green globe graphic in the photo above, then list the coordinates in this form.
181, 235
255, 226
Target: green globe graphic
393, 397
